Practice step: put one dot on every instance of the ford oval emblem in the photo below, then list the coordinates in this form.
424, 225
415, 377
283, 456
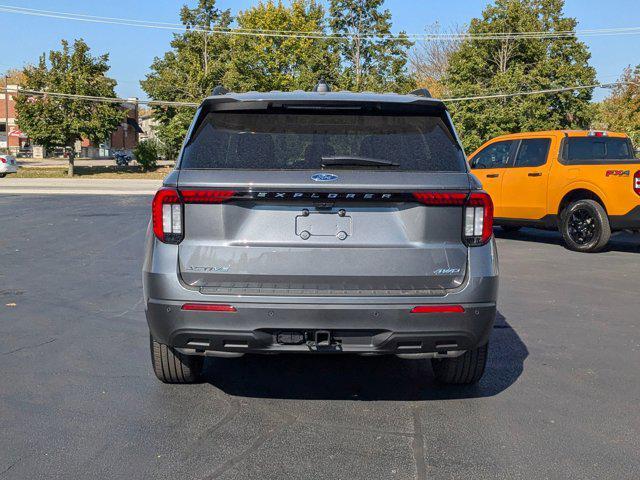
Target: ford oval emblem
324, 177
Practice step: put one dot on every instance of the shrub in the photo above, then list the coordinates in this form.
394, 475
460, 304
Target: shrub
146, 154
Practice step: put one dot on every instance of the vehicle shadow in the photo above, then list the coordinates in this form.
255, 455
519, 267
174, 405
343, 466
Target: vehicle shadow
364, 378
620, 242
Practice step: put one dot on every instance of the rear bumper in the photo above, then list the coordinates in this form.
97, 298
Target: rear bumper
363, 329
5, 168
629, 221
359, 324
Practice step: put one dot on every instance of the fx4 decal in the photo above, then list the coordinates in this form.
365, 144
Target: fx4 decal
618, 173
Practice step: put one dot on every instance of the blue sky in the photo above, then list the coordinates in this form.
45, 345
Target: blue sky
132, 49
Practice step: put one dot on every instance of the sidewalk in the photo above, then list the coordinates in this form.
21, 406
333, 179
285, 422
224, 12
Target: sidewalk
77, 186
63, 162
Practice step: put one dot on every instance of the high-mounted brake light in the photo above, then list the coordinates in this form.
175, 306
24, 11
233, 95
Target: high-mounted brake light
478, 212
598, 133
167, 210
636, 182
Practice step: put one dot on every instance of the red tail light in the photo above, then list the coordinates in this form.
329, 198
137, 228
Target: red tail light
478, 212
3, 160
438, 309
636, 182
208, 307
206, 196
166, 214
445, 199
167, 210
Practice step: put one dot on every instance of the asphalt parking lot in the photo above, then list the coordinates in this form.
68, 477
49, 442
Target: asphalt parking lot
78, 399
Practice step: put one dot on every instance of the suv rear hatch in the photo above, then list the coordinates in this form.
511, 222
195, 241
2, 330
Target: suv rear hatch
307, 200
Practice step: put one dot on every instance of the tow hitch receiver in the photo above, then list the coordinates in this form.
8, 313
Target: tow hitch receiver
322, 339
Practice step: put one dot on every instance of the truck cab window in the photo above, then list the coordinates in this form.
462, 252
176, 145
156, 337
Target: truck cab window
495, 155
533, 152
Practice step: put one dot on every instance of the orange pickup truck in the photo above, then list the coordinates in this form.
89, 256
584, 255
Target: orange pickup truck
584, 183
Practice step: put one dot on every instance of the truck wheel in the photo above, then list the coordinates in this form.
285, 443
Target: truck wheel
171, 366
2, 175
585, 226
465, 370
510, 228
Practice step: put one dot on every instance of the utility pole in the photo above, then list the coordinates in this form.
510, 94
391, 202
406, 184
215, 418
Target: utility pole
6, 111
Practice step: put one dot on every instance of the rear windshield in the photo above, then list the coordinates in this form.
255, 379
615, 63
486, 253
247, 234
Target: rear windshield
593, 149
276, 141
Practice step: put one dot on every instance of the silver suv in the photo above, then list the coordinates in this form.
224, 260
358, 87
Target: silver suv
321, 223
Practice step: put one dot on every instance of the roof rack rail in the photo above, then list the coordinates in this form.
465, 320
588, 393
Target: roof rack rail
421, 92
219, 90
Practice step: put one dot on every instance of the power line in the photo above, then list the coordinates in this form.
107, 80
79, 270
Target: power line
532, 92
320, 35
92, 98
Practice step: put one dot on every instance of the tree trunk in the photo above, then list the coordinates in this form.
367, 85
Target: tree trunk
72, 155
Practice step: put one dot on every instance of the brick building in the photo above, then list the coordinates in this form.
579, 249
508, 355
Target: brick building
17, 139
126, 136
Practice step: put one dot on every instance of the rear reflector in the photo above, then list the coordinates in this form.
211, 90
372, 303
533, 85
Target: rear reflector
636, 182
438, 309
208, 307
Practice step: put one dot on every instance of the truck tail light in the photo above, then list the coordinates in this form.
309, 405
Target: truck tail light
636, 182
3, 160
478, 212
167, 210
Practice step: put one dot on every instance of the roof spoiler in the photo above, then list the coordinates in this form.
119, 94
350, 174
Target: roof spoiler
219, 90
421, 92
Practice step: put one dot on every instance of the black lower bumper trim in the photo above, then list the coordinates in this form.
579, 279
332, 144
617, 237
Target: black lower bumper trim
325, 341
630, 221
275, 328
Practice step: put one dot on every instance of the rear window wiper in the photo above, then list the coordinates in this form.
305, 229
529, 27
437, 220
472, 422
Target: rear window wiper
348, 161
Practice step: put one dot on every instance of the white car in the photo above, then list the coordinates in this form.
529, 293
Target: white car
7, 165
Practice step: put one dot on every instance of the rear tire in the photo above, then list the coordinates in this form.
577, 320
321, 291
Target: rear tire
585, 227
465, 370
510, 228
171, 366
2, 175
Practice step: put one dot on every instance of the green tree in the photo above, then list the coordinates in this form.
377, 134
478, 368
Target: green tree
266, 63
146, 153
509, 65
621, 110
372, 58
198, 60
60, 122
